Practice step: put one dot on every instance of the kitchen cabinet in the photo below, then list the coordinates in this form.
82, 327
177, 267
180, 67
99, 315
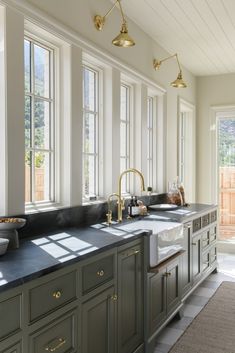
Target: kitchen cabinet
186, 278
98, 323
16, 348
130, 297
164, 292
196, 257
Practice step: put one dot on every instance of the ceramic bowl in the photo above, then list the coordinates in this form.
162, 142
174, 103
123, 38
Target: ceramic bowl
9, 223
3, 245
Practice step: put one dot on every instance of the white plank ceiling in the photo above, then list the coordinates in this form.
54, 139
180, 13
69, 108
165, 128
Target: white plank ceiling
202, 32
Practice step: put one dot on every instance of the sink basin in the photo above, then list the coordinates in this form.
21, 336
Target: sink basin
153, 225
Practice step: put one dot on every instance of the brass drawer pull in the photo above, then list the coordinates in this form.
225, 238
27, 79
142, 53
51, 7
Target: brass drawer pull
167, 274
194, 244
62, 341
114, 297
131, 253
57, 294
100, 273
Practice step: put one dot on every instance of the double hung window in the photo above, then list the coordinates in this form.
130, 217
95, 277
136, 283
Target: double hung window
90, 132
150, 141
39, 122
125, 135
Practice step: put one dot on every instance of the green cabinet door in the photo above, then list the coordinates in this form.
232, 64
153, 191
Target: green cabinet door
156, 300
186, 278
196, 258
98, 323
130, 298
173, 286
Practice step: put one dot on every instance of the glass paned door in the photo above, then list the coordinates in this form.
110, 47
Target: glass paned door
226, 164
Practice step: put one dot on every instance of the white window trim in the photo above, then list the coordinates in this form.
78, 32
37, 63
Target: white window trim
95, 66
53, 124
129, 136
50, 42
185, 106
226, 111
150, 134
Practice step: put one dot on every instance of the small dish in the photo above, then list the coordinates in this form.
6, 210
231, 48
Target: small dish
163, 207
3, 245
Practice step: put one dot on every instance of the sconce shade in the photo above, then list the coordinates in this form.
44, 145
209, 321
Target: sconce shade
123, 39
179, 82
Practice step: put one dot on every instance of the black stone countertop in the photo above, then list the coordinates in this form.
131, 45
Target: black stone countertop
49, 252
184, 214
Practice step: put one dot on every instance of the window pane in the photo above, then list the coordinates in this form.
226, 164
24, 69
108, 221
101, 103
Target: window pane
42, 176
89, 133
28, 163
89, 175
123, 146
42, 71
27, 66
42, 124
27, 121
124, 103
89, 89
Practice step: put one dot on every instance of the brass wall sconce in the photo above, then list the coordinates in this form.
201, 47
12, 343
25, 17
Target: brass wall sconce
179, 82
123, 39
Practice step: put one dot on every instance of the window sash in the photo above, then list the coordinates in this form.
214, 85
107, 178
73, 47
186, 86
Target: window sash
150, 141
93, 175
125, 138
33, 149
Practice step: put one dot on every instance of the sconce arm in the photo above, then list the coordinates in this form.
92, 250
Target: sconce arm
157, 63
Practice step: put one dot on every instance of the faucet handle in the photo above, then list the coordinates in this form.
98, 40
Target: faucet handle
123, 203
109, 217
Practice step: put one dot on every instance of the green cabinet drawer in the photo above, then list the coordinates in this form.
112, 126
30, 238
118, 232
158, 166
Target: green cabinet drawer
213, 255
205, 262
97, 273
59, 336
16, 348
205, 220
213, 233
51, 295
205, 239
213, 216
196, 224
10, 316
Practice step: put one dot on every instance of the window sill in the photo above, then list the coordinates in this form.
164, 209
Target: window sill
86, 202
43, 207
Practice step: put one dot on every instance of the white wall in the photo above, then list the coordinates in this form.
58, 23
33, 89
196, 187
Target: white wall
211, 91
78, 15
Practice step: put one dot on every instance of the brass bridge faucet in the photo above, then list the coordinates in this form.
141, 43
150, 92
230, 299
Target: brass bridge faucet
121, 206
109, 214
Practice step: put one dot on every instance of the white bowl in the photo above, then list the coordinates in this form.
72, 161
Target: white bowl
3, 245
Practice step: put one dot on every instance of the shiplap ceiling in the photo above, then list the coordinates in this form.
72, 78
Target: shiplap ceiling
202, 32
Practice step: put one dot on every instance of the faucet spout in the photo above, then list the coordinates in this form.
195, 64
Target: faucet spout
121, 201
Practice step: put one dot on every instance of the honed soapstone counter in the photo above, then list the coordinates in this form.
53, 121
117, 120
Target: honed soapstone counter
42, 255
49, 252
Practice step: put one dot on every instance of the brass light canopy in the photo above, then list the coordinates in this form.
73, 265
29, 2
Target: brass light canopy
179, 82
122, 39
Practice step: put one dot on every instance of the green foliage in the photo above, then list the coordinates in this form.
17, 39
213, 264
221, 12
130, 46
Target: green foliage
227, 142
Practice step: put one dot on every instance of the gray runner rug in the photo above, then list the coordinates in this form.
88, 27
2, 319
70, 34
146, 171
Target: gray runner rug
213, 330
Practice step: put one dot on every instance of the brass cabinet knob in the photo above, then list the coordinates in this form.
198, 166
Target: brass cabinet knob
50, 348
114, 297
100, 273
57, 294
